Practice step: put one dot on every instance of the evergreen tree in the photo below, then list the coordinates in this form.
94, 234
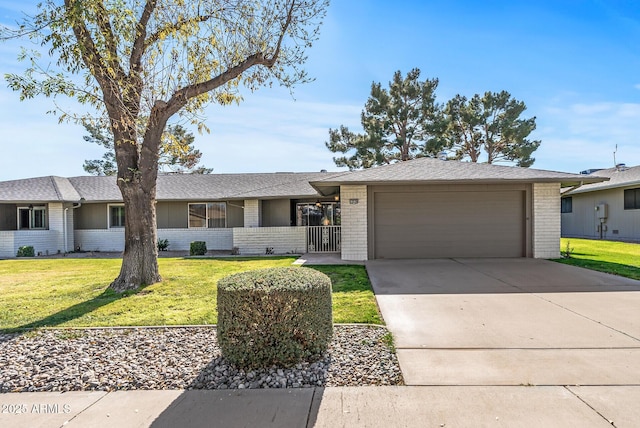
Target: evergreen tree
399, 124
490, 125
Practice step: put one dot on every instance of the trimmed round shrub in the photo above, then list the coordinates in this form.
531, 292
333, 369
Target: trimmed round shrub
198, 248
276, 316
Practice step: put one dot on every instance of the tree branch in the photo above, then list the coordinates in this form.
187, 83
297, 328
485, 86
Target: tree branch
102, 17
283, 32
180, 97
89, 52
172, 27
139, 45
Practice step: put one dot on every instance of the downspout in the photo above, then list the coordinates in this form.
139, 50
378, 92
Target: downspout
64, 229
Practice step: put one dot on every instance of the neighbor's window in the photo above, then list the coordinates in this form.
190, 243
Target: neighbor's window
566, 205
210, 215
116, 215
32, 217
632, 199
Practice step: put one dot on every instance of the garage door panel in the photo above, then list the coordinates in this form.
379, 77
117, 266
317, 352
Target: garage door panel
449, 224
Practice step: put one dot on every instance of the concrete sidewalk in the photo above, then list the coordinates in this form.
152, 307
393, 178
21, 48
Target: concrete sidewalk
417, 406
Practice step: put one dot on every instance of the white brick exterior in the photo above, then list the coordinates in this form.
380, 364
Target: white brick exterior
282, 239
181, 239
354, 222
56, 228
99, 239
7, 243
44, 242
69, 244
252, 211
546, 220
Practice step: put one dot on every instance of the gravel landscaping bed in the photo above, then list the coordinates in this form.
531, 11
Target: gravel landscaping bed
179, 358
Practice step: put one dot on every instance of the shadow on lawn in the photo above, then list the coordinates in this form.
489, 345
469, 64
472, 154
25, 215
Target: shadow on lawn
76, 311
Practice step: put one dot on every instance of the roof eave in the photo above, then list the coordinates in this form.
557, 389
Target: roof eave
605, 187
565, 182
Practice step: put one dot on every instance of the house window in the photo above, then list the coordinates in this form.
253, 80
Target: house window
32, 217
566, 205
632, 199
208, 215
318, 214
116, 215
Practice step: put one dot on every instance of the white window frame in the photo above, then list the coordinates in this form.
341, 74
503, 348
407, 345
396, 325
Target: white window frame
207, 218
32, 209
109, 225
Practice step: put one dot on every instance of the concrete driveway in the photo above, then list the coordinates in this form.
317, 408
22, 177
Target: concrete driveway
509, 322
489, 322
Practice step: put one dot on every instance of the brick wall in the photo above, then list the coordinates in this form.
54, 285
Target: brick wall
56, 226
546, 220
181, 239
7, 246
107, 240
42, 241
282, 239
69, 244
252, 209
354, 222
111, 240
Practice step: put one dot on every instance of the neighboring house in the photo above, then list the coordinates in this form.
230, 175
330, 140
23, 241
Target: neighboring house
423, 208
605, 210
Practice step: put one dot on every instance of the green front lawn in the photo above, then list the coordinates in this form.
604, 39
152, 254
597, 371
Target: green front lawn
619, 258
74, 293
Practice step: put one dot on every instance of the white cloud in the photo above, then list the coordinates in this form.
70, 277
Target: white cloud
581, 136
263, 134
273, 134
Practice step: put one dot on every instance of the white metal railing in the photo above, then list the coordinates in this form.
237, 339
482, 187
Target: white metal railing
323, 239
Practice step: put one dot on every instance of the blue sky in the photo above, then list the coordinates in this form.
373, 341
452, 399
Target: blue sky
576, 64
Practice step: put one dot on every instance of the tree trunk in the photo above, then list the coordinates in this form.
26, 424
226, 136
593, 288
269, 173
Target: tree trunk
140, 258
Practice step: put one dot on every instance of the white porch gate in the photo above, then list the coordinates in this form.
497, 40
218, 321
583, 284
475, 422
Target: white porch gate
323, 239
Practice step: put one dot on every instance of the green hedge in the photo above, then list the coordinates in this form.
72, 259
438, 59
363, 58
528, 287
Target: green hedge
198, 248
26, 251
276, 316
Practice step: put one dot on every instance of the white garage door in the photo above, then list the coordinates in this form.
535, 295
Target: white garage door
449, 224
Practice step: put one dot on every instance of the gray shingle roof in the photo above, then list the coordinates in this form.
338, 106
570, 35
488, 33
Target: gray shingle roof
40, 189
428, 170
278, 185
97, 189
208, 186
236, 186
623, 177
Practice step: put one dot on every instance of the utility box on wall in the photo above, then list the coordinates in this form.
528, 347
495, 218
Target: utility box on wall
602, 211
